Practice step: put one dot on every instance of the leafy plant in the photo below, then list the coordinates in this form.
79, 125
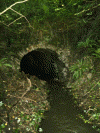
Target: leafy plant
2, 63
1, 103
79, 67
97, 53
88, 43
2, 126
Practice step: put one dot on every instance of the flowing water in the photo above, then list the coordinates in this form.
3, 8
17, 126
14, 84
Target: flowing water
62, 117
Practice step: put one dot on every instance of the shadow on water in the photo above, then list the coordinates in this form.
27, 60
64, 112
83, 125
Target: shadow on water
62, 117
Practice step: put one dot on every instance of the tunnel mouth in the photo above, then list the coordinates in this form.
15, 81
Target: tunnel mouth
44, 64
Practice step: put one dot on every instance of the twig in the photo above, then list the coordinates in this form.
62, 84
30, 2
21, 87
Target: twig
91, 89
16, 13
12, 6
21, 16
21, 98
14, 21
28, 89
86, 10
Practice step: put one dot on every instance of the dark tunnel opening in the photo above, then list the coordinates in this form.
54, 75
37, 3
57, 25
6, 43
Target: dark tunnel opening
44, 64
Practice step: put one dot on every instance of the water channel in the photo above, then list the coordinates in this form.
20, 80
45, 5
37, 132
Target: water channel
62, 117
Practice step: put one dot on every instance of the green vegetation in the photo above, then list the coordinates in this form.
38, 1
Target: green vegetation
27, 24
80, 67
97, 53
2, 63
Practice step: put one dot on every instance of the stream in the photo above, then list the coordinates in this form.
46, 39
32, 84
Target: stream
63, 115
